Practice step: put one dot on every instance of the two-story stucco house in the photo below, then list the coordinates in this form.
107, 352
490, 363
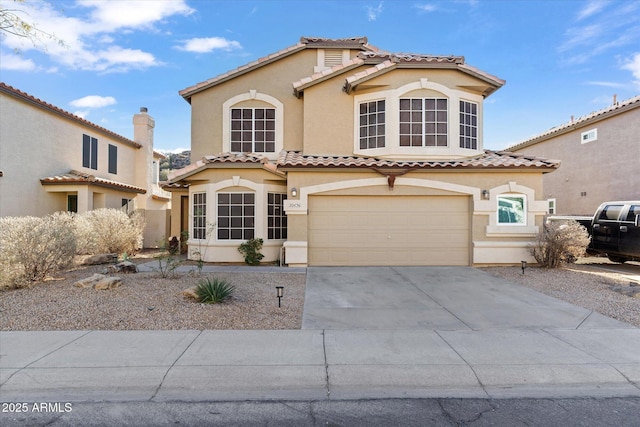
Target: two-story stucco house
600, 155
335, 152
52, 160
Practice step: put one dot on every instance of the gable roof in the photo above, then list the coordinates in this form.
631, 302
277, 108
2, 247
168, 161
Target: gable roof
15, 93
593, 117
304, 43
250, 159
76, 177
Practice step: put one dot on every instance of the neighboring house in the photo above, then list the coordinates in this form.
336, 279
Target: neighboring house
344, 154
52, 160
600, 155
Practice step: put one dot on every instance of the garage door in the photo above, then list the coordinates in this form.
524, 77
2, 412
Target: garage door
388, 230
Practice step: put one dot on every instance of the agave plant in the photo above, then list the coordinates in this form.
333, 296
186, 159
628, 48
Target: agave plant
213, 291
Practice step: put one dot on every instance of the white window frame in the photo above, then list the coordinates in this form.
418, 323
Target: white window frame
238, 102
553, 206
243, 216
199, 199
511, 197
589, 136
422, 88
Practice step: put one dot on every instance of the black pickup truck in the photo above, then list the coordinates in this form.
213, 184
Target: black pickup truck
614, 230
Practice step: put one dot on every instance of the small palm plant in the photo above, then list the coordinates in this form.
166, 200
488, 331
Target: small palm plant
213, 291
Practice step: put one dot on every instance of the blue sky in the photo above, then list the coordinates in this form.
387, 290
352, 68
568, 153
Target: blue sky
559, 57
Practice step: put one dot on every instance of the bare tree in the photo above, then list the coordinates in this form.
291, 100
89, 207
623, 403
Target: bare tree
16, 21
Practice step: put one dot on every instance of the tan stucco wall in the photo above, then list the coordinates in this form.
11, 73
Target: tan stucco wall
274, 80
605, 169
35, 144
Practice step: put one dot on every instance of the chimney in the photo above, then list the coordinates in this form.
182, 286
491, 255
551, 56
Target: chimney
143, 125
615, 99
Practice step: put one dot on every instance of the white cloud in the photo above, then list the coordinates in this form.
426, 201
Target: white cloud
633, 65
82, 114
374, 12
15, 62
606, 84
591, 8
90, 35
426, 7
112, 15
208, 44
601, 27
93, 101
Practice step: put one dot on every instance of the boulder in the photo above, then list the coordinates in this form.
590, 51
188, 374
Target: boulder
100, 282
89, 282
126, 267
191, 294
108, 283
101, 259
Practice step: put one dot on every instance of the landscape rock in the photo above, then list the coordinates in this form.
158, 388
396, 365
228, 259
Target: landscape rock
101, 259
126, 267
191, 293
89, 282
100, 282
108, 283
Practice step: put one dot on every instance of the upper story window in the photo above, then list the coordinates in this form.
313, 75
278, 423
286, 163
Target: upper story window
468, 125
89, 152
113, 159
423, 122
253, 130
372, 124
588, 136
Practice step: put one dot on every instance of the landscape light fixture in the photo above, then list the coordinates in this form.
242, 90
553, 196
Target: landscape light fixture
523, 265
279, 291
294, 192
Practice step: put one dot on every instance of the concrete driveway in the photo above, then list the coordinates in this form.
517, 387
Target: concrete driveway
439, 298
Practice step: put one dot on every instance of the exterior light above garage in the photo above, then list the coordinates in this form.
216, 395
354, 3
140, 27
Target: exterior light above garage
294, 192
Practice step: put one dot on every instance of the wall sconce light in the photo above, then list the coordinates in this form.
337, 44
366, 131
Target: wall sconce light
523, 264
485, 194
294, 192
279, 292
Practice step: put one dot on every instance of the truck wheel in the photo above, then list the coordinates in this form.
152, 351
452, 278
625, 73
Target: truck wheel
615, 258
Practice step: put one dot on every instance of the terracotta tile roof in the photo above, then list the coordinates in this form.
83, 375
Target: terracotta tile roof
9, 90
76, 177
616, 108
488, 160
304, 43
222, 158
302, 84
412, 57
368, 74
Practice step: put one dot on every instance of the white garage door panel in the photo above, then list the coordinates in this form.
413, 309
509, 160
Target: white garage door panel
403, 230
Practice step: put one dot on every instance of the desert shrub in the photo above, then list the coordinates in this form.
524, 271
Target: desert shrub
560, 243
213, 291
31, 248
251, 251
109, 231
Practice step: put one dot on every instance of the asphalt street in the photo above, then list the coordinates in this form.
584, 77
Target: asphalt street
619, 412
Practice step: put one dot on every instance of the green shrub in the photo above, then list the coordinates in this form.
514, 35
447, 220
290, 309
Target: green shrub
560, 243
109, 231
31, 248
251, 251
213, 291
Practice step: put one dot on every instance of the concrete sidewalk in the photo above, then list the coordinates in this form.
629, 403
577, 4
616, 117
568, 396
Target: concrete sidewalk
72, 366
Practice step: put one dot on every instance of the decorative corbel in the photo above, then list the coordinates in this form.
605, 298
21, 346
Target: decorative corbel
392, 175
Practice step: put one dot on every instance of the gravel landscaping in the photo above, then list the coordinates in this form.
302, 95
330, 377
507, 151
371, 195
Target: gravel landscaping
148, 301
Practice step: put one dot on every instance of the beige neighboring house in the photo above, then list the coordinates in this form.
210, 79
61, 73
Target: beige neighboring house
335, 153
52, 160
600, 155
